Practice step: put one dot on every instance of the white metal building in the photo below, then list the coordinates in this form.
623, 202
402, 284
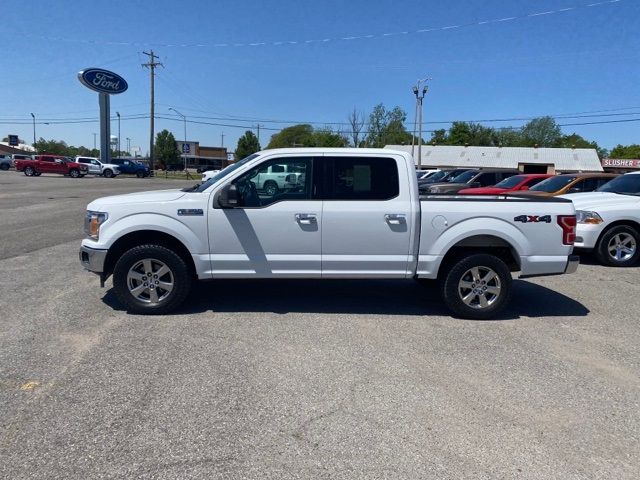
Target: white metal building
527, 159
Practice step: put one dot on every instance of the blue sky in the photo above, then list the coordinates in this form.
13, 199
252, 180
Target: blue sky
580, 60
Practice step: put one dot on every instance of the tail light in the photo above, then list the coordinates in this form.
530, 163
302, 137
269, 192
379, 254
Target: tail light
568, 224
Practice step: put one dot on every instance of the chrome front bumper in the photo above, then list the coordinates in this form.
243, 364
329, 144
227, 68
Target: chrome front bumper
92, 259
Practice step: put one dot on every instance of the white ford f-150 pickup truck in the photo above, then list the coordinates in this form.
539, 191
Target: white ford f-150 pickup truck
354, 213
609, 221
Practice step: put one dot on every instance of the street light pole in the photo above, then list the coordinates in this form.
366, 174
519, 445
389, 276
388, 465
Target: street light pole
94, 140
34, 130
118, 114
184, 118
419, 93
128, 146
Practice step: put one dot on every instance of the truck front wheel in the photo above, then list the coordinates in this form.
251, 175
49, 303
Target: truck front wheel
477, 287
151, 279
108, 173
74, 173
29, 171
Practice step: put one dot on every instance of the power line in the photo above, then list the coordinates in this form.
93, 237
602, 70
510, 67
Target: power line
345, 38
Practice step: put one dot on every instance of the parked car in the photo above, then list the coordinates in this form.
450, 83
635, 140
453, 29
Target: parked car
358, 216
609, 221
443, 175
424, 174
96, 167
5, 162
51, 164
512, 184
131, 167
568, 183
275, 177
20, 156
474, 178
209, 174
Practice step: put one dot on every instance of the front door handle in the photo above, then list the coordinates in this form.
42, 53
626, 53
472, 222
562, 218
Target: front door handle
306, 218
395, 218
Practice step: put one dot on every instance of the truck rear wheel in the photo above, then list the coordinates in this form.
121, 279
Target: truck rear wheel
151, 279
108, 173
477, 287
271, 188
139, 174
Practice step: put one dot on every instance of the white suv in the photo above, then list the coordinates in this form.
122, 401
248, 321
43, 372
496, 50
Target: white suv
96, 167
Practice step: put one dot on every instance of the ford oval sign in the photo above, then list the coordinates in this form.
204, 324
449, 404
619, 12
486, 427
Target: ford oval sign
102, 81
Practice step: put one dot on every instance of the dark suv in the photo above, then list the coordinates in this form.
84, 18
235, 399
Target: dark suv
470, 179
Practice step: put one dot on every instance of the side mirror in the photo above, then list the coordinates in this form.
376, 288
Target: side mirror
524, 187
228, 196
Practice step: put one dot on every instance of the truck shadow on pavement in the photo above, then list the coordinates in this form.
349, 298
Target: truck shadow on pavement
369, 297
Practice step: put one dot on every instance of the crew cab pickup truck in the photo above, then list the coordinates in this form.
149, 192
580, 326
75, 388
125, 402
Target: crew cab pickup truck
131, 167
51, 164
356, 214
96, 167
609, 221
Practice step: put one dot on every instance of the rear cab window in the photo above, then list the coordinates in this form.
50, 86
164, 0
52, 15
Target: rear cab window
359, 178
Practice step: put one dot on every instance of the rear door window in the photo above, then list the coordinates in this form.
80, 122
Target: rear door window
360, 178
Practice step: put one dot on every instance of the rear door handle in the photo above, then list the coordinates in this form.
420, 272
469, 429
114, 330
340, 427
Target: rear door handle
395, 218
306, 218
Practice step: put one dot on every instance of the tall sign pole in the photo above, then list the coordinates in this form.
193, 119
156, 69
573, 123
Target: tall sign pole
106, 83
151, 65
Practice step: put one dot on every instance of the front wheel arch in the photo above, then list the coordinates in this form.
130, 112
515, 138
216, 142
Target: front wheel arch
142, 237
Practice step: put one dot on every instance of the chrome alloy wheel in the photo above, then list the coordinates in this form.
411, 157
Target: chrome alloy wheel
622, 247
150, 281
479, 287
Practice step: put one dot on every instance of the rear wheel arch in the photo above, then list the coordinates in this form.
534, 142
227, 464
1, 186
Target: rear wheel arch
487, 244
146, 237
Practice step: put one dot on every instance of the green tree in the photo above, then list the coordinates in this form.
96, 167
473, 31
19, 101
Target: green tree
166, 150
469, 133
543, 132
247, 144
626, 152
325, 137
294, 136
386, 127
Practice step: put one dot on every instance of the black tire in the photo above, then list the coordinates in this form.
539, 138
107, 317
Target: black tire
108, 173
74, 173
37, 174
139, 174
29, 171
181, 276
627, 238
459, 271
4, 166
270, 188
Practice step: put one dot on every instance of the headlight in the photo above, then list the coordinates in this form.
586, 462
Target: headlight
92, 222
590, 218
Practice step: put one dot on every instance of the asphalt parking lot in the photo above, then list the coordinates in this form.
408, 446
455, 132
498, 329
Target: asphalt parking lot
301, 379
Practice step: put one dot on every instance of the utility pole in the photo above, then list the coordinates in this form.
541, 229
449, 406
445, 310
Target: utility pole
34, 129
222, 139
94, 140
258, 128
419, 101
184, 118
128, 146
118, 114
151, 65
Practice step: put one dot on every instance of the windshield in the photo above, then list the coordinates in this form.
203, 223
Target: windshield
510, 182
626, 185
464, 177
553, 184
223, 173
435, 177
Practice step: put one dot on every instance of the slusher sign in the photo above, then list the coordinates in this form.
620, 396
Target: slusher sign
103, 81
621, 163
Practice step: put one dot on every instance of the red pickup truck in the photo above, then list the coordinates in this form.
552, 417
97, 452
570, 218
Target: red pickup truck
51, 164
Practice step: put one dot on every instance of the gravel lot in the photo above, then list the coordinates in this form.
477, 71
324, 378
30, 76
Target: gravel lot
301, 379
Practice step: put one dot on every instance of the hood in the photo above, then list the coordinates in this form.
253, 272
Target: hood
141, 197
529, 193
600, 200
